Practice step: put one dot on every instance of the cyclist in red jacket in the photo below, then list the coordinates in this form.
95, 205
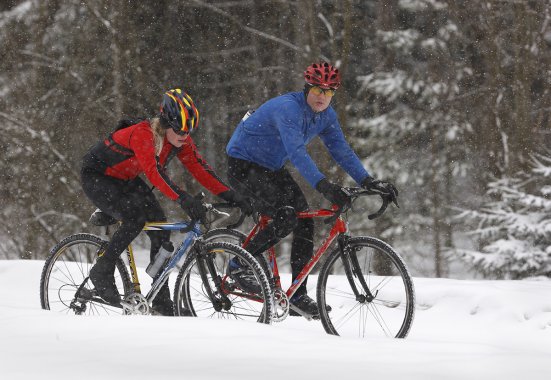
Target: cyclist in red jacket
110, 178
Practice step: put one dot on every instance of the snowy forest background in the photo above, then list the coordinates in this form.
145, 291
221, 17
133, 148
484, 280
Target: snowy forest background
448, 99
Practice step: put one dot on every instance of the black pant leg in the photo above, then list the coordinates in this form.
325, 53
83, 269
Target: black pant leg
124, 200
274, 190
302, 246
153, 213
257, 183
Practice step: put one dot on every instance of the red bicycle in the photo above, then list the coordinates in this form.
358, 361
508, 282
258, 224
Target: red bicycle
364, 280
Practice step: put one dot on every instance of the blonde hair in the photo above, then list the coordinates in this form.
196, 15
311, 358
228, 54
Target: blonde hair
159, 134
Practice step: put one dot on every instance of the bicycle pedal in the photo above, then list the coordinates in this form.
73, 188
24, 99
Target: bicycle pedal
296, 312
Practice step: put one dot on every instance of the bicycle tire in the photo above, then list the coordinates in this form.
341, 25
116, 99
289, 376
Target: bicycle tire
391, 311
225, 235
192, 297
237, 237
65, 271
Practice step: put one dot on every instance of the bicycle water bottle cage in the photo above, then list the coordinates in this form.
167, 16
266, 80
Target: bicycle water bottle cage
100, 218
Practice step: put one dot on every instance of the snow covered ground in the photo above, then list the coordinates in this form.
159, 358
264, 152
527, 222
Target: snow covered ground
462, 330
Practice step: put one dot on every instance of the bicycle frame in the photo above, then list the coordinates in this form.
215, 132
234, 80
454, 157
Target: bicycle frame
191, 236
339, 227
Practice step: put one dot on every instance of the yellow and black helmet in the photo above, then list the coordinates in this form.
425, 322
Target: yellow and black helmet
178, 112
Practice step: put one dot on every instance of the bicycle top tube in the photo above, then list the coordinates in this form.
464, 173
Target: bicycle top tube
170, 226
308, 214
320, 213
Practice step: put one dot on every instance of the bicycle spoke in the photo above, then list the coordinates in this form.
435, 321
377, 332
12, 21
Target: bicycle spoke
341, 293
69, 274
362, 322
65, 270
79, 261
68, 278
348, 315
380, 320
195, 289
385, 308
382, 283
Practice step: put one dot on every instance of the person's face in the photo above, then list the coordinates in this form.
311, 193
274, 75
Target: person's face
176, 139
319, 98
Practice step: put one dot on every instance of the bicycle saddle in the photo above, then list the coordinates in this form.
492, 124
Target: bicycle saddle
100, 218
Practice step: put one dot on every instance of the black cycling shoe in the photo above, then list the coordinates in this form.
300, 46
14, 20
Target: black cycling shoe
244, 277
162, 303
305, 306
102, 276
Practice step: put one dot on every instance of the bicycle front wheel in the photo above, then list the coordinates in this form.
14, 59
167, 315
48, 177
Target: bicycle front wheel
205, 289
226, 235
369, 289
64, 284
238, 238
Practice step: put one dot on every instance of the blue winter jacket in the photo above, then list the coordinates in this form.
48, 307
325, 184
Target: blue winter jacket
280, 129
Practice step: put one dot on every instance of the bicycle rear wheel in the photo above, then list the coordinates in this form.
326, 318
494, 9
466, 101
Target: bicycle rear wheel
64, 283
386, 309
204, 289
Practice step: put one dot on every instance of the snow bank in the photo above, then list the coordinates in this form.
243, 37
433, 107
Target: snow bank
463, 330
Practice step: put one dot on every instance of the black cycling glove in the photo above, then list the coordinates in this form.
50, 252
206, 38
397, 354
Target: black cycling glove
237, 200
382, 187
193, 207
332, 192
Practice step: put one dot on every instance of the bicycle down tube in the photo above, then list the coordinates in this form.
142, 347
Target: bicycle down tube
187, 242
339, 227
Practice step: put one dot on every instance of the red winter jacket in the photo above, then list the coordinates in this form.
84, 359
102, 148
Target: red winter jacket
128, 152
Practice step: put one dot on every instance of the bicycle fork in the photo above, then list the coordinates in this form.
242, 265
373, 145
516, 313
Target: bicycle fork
206, 267
352, 269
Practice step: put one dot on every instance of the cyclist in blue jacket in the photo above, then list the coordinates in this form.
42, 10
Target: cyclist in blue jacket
278, 132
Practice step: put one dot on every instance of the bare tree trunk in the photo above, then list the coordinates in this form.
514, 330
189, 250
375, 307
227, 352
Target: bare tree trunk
528, 19
311, 22
117, 18
342, 53
436, 206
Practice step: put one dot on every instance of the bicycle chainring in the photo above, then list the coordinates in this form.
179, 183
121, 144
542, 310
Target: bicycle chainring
281, 309
135, 304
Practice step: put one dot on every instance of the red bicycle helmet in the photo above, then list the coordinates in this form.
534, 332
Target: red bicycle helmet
179, 111
323, 74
